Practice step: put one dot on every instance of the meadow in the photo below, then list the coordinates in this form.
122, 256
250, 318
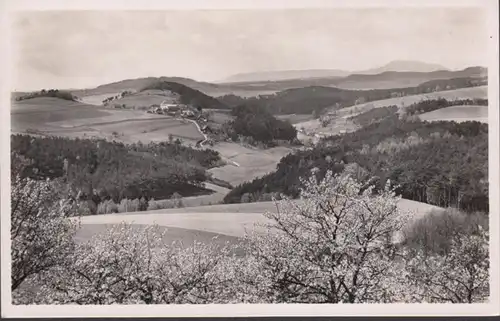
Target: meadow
53, 116
457, 114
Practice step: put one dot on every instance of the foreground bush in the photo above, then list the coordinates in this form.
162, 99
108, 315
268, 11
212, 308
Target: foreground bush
131, 265
460, 275
41, 234
334, 247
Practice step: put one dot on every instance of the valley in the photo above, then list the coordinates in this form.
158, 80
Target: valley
90, 117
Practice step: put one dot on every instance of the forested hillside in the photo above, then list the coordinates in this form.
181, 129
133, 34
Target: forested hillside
256, 125
188, 95
103, 170
430, 105
440, 163
316, 98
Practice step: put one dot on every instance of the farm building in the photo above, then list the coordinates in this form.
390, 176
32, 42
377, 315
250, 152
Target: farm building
169, 107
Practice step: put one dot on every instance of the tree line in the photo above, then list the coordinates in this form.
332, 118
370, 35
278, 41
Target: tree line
56, 93
435, 104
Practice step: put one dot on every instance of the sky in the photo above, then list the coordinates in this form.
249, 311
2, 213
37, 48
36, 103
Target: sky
82, 49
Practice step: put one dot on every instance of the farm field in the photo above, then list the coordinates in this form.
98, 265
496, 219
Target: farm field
341, 123
96, 99
202, 200
184, 237
463, 93
231, 220
53, 116
458, 114
250, 162
295, 118
40, 113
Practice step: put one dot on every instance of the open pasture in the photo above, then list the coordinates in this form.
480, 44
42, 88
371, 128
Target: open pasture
246, 163
341, 123
182, 237
97, 99
457, 114
463, 93
231, 220
295, 118
41, 113
53, 116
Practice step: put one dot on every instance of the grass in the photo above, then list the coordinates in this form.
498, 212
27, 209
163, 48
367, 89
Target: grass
252, 162
52, 116
97, 99
458, 114
183, 237
295, 118
232, 220
40, 113
463, 93
340, 123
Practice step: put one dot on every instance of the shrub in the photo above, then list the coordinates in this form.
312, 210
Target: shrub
332, 247
107, 207
459, 275
42, 235
434, 232
130, 265
127, 205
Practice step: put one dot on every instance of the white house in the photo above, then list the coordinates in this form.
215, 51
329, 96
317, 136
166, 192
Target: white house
166, 106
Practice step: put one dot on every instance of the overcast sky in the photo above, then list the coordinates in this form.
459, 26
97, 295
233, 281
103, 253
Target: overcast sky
76, 49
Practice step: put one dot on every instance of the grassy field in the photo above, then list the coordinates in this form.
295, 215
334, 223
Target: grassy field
202, 200
295, 118
232, 220
250, 162
184, 237
97, 99
40, 113
341, 123
52, 116
458, 114
464, 93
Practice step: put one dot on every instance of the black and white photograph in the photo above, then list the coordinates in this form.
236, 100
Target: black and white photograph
231, 159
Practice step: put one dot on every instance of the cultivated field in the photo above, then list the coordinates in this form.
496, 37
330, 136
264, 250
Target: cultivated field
463, 93
341, 123
458, 114
246, 163
53, 116
40, 113
96, 99
231, 220
295, 118
183, 237
203, 200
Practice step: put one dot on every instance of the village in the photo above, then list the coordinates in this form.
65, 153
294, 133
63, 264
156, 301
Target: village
187, 112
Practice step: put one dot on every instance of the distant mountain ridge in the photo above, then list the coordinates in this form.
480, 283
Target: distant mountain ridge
384, 80
396, 65
285, 75
404, 66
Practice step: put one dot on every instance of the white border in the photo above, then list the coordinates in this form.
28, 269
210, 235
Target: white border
8, 310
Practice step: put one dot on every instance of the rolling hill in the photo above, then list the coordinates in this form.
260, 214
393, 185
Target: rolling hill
316, 98
266, 86
364, 81
393, 66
